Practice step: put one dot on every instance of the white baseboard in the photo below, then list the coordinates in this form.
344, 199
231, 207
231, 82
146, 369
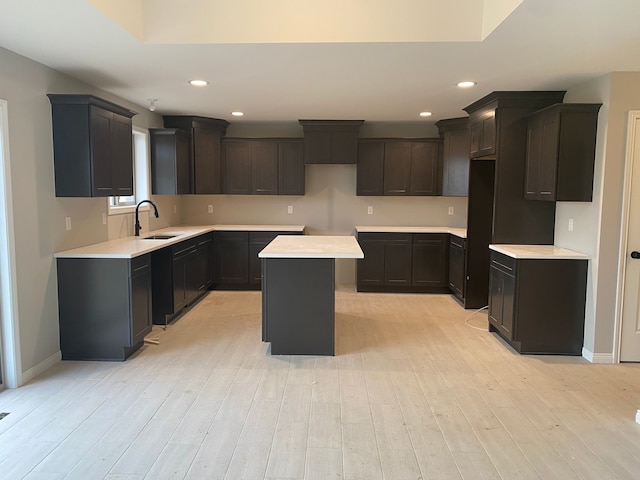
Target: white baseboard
597, 357
41, 367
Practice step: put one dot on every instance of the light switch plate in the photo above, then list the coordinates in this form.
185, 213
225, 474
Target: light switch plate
570, 226
290, 209
67, 223
104, 218
451, 210
210, 208
370, 210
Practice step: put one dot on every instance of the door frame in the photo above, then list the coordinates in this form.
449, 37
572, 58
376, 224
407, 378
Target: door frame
630, 153
9, 331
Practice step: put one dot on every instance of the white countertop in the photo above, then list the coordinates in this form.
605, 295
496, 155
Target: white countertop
130, 247
550, 252
458, 232
312, 246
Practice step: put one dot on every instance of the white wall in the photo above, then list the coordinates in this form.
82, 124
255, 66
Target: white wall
39, 217
597, 224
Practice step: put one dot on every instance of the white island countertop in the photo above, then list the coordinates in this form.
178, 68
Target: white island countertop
548, 252
312, 246
458, 232
130, 247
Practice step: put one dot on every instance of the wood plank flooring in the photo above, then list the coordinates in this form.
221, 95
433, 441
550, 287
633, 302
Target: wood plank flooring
414, 392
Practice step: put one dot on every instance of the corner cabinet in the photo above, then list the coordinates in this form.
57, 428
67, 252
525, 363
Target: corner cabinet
398, 167
92, 147
454, 133
170, 170
538, 304
104, 306
263, 166
561, 144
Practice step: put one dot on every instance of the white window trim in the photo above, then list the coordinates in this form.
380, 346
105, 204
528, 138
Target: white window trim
142, 182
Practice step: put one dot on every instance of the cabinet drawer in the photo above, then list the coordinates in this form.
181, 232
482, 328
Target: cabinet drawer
400, 238
141, 263
503, 263
456, 241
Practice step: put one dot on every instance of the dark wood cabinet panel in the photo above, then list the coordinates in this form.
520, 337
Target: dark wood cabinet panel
170, 171
482, 125
455, 136
397, 168
403, 262
237, 168
538, 305
425, 169
264, 168
92, 144
430, 260
104, 306
457, 260
330, 141
370, 170
561, 142
291, 178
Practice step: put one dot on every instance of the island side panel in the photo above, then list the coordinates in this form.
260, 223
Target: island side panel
298, 305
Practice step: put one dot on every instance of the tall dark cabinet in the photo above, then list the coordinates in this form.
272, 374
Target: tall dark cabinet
497, 209
455, 136
92, 146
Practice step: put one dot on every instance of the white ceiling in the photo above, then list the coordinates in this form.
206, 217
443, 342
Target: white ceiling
542, 45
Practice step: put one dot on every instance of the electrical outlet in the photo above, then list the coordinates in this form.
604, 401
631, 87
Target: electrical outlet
104, 218
67, 223
451, 210
210, 208
369, 210
570, 226
290, 209
175, 209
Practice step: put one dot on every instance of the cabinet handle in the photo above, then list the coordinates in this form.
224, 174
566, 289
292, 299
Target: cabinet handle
545, 193
635, 254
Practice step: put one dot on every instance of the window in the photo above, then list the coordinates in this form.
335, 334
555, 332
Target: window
140, 176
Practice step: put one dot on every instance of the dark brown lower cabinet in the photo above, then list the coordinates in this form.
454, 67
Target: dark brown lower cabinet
236, 265
538, 305
104, 306
403, 262
182, 274
457, 266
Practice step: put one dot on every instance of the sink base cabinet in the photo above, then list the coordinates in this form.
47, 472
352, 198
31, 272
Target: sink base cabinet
104, 306
403, 262
183, 273
538, 305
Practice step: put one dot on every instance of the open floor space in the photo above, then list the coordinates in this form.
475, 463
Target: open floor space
418, 389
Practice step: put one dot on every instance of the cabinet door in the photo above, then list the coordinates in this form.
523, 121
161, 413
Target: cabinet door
430, 260
371, 267
179, 282
317, 147
257, 242
456, 267
194, 275
170, 174
237, 168
548, 172
291, 168
344, 147
121, 155
534, 150
370, 169
455, 168
100, 131
397, 261
483, 133
425, 172
397, 168
140, 302
264, 168
502, 301
204, 263
206, 161
232, 257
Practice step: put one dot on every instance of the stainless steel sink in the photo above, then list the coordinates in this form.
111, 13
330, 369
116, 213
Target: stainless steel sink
159, 237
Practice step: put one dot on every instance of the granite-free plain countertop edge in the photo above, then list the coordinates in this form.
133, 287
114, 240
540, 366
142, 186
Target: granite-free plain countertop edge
313, 246
458, 232
131, 247
540, 252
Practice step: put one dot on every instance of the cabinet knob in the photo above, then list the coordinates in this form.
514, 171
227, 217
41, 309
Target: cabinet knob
635, 254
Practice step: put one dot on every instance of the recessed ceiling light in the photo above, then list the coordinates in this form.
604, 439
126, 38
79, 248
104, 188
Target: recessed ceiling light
199, 83
425, 114
466, 84
237, 114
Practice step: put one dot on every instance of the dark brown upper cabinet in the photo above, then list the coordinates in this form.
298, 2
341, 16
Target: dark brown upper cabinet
331, 141
92, 146
263, 166
204, 150
398, 167
482, 129
455, 136
170, 165
561, 143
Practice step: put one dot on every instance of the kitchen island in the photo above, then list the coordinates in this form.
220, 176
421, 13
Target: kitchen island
298, 292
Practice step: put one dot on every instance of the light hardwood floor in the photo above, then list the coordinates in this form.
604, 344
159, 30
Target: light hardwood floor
414, 392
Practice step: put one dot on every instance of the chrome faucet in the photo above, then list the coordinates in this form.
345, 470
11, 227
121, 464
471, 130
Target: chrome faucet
155, 210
